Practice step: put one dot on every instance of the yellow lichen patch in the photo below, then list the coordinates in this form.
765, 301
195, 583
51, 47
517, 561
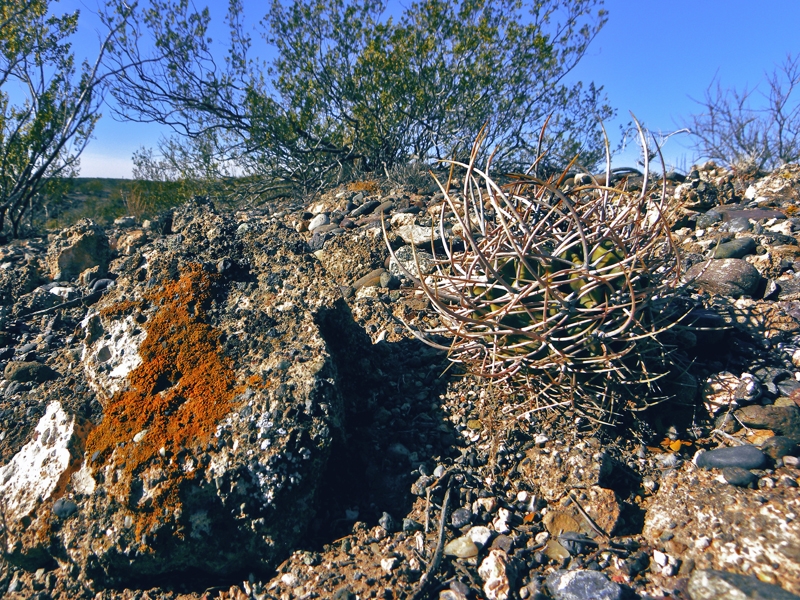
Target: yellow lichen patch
175, 397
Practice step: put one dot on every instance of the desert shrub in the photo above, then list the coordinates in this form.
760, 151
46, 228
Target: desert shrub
751, 129
352, 90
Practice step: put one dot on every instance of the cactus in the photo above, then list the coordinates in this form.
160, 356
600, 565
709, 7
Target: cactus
561, 291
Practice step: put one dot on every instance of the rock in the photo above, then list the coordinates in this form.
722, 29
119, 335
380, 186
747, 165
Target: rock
33, 474
318, 221
582, 585
480, 535
64, 508
726, 277
460, 517
417, 235
738, 248
131, 241
240, 420
77, 248
461, 547
387, 522
719, 526
29, 371
498, 575
707, 219
576, 543
371, 279
745, 457
779, 446
364, 209
723, 390
710, 584
557, 522
739, 477
408, 260
783, 420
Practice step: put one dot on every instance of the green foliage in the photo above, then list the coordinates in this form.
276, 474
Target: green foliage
352, 88
48, 107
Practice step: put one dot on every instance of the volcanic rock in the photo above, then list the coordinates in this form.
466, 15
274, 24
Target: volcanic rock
220, 407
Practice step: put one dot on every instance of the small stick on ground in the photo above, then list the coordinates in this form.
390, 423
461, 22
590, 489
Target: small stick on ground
426, 578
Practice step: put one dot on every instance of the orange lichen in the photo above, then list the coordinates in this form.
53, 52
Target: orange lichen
370, 186
178, 394
119, 308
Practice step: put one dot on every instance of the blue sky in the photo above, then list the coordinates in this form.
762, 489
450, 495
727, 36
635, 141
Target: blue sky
652, 57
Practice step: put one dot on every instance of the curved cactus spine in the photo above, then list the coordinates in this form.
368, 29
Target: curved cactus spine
562, 289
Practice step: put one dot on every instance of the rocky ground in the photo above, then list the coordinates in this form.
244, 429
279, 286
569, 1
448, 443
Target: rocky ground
228, 405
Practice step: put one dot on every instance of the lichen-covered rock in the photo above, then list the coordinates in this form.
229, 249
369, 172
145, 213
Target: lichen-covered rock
77, 248
220, 406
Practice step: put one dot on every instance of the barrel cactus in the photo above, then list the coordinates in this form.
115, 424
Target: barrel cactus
560, 290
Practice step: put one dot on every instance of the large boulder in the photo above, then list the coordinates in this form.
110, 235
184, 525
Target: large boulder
220, 407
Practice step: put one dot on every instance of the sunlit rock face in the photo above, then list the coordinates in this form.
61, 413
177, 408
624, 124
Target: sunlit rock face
219, 407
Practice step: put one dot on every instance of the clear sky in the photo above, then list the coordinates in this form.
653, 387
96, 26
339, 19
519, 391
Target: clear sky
652, 57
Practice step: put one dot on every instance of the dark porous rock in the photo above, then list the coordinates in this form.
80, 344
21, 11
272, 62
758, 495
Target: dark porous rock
738, 248
29, 371
726, 277
214, 432
745, 457
709, 584
582, 585
460, 517
779, 446
739, 477
77, 248
783, 420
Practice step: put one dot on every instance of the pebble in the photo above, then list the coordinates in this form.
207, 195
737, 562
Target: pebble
582, 585
364, 209
738, 248
779, 446
480, 535
373, 278
64, 508
738, 476
745, 457
501, 524
715, 585
461, 547
318, 221
460, 517
497, 575
708, 218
